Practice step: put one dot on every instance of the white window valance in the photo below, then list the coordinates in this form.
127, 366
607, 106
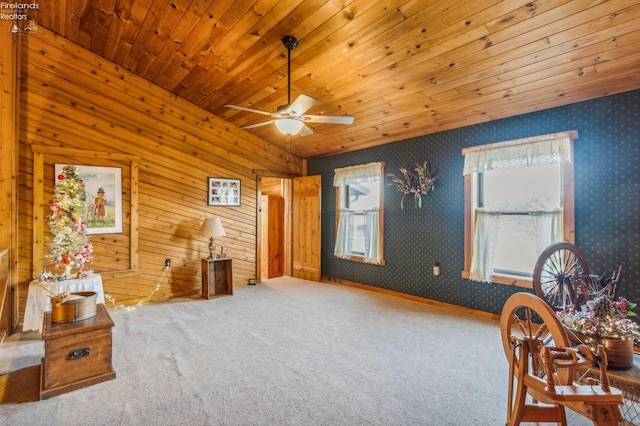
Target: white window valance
357, 174
546, 149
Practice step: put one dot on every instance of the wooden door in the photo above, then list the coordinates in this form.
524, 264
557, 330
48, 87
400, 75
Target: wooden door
306, 239
263, 251
274, 238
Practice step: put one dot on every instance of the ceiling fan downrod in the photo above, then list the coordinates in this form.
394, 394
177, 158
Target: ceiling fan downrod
290, 119
290, 42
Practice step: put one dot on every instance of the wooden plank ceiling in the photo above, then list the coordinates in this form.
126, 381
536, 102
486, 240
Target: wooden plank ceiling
402, 68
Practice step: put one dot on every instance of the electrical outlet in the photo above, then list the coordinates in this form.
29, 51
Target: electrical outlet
167, 262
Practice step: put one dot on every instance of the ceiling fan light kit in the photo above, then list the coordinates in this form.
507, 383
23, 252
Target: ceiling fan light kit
289, 126
290, 119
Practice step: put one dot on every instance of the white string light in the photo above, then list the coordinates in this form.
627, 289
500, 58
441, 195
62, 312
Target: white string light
140, 302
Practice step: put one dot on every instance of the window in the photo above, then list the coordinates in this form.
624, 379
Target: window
359, 213
518, 200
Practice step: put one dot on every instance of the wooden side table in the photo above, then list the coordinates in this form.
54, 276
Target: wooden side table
76, 354
217, 278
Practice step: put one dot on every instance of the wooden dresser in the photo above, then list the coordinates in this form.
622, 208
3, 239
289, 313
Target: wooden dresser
76, 354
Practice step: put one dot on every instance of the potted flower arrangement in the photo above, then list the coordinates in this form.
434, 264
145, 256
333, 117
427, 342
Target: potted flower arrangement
604, 321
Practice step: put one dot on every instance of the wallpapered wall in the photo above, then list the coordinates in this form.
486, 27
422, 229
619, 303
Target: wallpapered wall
607, 192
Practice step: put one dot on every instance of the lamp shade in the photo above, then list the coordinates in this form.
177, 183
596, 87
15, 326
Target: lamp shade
212, 227
289, 126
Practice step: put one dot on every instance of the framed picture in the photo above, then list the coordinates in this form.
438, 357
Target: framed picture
224, 192
102, 197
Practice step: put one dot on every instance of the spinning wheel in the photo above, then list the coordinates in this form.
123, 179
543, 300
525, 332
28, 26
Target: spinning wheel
561, 276
517, 322
541, 366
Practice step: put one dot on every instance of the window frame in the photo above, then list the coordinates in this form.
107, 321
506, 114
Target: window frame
338, 195
470, 204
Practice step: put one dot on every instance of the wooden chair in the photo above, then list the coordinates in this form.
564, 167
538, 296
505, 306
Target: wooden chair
541, 369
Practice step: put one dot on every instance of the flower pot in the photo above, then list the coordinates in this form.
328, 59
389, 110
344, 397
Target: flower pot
619, 352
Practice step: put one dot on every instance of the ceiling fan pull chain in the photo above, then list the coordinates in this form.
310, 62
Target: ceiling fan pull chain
288, 145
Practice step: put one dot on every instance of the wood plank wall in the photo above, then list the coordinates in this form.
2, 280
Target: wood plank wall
71, 98
9, 97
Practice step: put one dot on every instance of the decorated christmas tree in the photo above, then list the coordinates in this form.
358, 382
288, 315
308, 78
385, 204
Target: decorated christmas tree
69, 247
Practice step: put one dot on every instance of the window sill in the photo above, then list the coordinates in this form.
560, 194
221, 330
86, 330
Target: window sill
506, 280
360, 260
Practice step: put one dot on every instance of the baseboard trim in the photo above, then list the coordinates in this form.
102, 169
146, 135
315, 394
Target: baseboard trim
447, 306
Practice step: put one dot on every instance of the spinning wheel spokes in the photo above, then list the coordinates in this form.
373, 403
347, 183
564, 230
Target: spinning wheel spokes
517, 320
561, 275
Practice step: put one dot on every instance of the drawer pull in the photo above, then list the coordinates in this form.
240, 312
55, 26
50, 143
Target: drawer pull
79, 353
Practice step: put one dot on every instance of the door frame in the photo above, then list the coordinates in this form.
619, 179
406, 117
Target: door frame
287, 188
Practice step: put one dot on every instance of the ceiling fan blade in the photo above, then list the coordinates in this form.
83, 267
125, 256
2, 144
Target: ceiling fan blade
300, 105
249, 110
330, 119
305, 131
264, 123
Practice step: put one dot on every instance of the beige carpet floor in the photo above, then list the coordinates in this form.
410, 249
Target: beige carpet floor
283, 352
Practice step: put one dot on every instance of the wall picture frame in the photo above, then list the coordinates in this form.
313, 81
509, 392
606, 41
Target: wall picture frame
103, 197
223, 192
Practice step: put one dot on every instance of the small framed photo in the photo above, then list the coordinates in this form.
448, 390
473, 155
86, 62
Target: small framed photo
224, 192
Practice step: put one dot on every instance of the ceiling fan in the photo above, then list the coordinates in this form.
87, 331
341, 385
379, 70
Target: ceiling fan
290, 119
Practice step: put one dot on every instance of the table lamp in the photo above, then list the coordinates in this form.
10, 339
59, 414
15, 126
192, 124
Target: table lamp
211, 228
